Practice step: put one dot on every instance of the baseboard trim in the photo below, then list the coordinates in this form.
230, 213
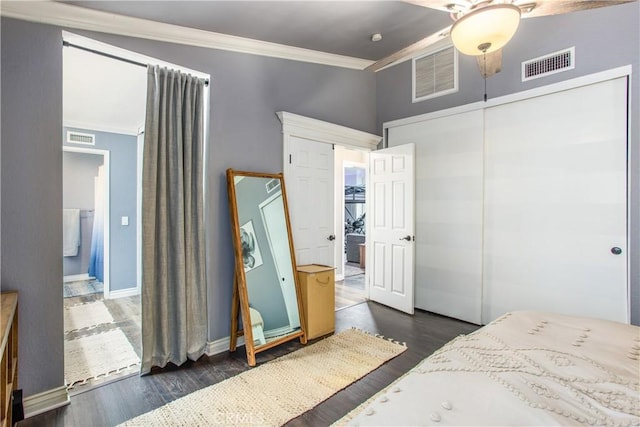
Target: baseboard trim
278, 332
45, 401
220, 345
120, 293
76, 277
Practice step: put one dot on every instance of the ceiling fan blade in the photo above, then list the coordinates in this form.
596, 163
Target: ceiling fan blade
443, 5
557, 7
491, 63
411, 50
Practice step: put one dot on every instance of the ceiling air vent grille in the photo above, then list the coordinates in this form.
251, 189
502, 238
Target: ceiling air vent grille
549, 64
435, 74
81, 138
272, 185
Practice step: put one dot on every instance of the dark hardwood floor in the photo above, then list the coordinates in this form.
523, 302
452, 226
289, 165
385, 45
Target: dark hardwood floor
119, 401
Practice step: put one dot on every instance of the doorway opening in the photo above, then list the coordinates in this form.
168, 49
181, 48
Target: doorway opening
104, 103
351, 179
85, 221
103, 109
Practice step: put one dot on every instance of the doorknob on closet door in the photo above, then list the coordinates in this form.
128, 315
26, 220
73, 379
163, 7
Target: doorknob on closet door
616, 250
407, 238
331, 237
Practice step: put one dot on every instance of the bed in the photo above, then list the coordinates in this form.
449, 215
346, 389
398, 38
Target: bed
525, 368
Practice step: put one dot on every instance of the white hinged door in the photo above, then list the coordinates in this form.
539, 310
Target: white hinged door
390, 242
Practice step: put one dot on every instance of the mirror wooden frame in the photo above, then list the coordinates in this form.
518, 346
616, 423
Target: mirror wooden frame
240, 297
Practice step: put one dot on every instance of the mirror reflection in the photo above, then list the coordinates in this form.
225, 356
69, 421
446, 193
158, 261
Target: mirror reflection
266, 258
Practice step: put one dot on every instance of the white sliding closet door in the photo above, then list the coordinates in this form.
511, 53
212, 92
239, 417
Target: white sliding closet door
448, 247
556, 204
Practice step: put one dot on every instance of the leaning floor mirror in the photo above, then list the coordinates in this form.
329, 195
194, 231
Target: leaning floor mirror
266, 305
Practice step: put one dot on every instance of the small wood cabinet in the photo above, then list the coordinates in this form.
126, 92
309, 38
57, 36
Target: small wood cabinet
9, 372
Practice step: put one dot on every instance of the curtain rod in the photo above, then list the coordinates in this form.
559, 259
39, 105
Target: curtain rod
108, 55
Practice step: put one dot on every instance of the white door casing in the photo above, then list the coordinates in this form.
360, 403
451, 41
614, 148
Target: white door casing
390, 227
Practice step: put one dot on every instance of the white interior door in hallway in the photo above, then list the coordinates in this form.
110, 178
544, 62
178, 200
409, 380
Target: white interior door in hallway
311, 200
390, 227
308, 168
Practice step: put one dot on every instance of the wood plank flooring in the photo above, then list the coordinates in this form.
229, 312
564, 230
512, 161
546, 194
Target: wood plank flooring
119, 401
350, 291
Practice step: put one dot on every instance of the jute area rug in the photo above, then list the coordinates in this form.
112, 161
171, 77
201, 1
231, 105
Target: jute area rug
282, 389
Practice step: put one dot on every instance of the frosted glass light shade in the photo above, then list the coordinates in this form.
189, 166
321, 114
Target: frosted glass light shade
494, 24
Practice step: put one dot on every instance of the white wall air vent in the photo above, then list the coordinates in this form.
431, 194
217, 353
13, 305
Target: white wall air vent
81, 138
272, 185
549, 64
435, 74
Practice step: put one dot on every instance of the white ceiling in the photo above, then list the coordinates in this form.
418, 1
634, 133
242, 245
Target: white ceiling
100, 93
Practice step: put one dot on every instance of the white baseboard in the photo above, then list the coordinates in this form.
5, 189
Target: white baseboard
271, 333
45, 401
120, 293
221, 345
77, 277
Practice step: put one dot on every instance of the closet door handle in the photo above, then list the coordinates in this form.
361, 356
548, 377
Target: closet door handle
616, 250
331, 238
407, 238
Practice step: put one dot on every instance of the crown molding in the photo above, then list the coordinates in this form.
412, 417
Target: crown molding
69, 16
318, 130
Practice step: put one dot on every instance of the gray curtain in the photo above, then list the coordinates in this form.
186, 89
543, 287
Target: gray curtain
174, 300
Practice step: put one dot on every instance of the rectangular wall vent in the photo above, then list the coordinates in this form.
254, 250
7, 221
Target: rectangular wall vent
435, 74
81, 138
549, 64
272, 185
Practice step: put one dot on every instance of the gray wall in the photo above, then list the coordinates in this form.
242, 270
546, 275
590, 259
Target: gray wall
246, 91
604, 39
263, 282
123, 166
31, 113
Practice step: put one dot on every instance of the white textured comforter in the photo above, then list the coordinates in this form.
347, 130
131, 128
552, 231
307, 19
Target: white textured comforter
525, 368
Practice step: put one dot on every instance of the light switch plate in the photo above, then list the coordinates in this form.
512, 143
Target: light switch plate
124, 220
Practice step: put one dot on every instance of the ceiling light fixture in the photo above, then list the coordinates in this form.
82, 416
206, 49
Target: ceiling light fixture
376, 37
485, 29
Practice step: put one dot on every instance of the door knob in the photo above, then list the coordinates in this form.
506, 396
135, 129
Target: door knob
407, 238
331, 238
616, 250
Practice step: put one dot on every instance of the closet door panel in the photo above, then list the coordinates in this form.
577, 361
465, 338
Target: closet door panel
448, 246
556, 204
